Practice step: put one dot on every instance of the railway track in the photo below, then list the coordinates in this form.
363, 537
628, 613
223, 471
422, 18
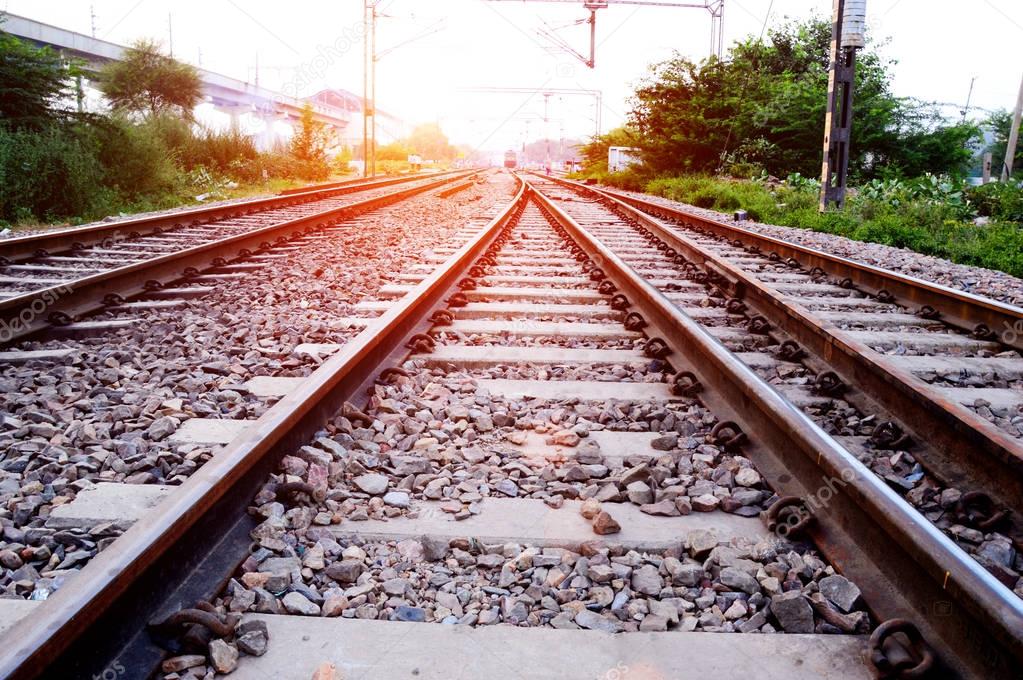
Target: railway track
51, 278
557, 422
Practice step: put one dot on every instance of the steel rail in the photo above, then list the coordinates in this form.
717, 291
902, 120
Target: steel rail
904, 566
20, 248
26, 314
958, 308
184, 550
965, 450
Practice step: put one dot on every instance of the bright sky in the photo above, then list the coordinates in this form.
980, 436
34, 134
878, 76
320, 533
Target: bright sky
306, 46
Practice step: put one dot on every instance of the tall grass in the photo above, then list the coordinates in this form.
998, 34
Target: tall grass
104, 165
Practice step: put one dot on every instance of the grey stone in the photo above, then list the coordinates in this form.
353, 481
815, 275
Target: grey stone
296, 603
646, 580
738, 579
345, 571
397, 499
653, 623
372, 483
665, 442
639, 493
840, 591
161, 428
507, 487
412, 614
793, 612
594, 621
223, 656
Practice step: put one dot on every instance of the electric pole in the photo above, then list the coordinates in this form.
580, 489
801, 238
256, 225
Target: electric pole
373, 85
366, 111
1010, 150
546, 126
716, 8
846, 37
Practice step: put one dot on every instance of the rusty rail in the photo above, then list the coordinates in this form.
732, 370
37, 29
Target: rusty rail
26, 314
958, 308
905, 567
14, 250
186, 548
966, 451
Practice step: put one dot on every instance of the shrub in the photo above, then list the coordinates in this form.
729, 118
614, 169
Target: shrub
50, 174
998, 200
137, 164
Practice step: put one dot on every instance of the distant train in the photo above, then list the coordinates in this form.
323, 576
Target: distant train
511, 159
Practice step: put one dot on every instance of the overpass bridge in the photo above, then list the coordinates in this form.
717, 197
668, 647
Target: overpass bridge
229, 95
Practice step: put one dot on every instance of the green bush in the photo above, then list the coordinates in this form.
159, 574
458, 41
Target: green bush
50, 174
719, 194
137, 164
998, 200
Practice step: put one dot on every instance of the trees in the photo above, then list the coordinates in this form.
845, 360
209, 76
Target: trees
763, 107
998, 124
309, 145
311, 139
149, 83
430, 142
594, 152
32, 81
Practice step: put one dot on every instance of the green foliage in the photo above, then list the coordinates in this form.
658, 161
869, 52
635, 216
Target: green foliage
309, 145
395, 151
148, 82
32, 81
999, 201
763, 108
594, 152
48, 173
429, 142
999, 124
137, 164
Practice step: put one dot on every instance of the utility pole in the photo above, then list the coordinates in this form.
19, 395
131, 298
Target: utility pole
1010, 150
373, 84
170, 33
365, 88
716, 8
546, 131
969, 98
846, 37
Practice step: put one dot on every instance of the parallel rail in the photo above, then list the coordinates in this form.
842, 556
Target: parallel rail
186, 549
32, 312
959, 308
906, 567
20, 248
966, 451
